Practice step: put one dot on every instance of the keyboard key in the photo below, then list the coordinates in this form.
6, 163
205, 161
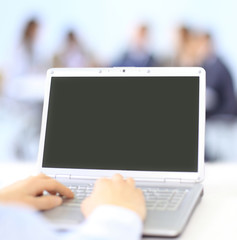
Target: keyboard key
156, 198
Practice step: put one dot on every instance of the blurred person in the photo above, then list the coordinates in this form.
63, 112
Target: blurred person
24, 91
26, 66
221, 98
114, 211
73, 53
138, 54
27, 58
185, 47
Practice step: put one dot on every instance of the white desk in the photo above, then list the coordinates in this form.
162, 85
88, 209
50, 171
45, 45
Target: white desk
214, 218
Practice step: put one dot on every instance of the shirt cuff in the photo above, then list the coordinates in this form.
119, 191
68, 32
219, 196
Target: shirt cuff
113, 223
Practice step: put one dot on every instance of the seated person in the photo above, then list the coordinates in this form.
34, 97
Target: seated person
115, 210
137, 54
221, 98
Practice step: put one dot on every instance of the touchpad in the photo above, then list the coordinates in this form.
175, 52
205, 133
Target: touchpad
63, 216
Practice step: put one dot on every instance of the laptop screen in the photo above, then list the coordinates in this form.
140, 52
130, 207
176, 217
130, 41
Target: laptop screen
124, 123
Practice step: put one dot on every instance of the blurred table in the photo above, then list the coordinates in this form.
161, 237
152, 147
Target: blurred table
214, 218
216, 215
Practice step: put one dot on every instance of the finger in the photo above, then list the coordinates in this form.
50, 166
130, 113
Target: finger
117, 177
46, 202
42, 175
130, 181
100, 181
51, 185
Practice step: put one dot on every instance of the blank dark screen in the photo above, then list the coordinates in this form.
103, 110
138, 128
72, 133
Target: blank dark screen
126, 123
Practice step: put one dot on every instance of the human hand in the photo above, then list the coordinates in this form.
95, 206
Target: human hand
115, 191
30, 192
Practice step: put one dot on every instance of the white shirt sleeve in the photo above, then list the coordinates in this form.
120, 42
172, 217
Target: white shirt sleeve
105, 223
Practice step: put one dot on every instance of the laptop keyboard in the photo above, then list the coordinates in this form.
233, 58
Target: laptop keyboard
161, 199
164, 198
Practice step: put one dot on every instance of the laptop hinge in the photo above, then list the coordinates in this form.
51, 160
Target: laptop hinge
83, 177
62, 176
169, 180
149, 179
173, 180
188, 181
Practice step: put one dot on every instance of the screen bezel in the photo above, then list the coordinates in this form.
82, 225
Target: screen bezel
95, 72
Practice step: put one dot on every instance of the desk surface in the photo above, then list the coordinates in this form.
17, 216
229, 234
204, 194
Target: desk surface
214, 218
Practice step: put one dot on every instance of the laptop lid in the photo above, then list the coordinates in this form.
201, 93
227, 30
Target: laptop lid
146, 123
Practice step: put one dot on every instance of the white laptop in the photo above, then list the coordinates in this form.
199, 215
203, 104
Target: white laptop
145, 123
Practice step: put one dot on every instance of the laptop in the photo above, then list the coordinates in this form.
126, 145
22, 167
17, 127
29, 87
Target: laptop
145, 123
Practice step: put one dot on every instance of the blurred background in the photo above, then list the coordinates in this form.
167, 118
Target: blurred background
39, 34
